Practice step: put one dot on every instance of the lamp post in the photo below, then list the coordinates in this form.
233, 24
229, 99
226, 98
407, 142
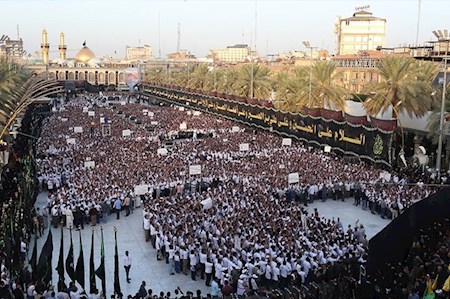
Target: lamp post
308, 46
441, 120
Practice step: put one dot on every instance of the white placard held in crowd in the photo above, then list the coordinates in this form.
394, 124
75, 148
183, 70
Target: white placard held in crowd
183, 126
64, 119
70, 140
235, 129
78, 129
140, 189
327, 149
293, 178
244, 147
126, 133
206, 204
89, 164
287, 141
281, 166
180, 108
102, 120
151, 114
85, 109
197, 113
162, 151
91, 113
195, 169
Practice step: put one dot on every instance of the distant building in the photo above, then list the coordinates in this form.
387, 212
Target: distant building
358, 70
361, 32
11, 49
181, 55
143, 53
231, 54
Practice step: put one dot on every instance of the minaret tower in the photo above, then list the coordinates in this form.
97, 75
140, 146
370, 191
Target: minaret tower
62, 47
45, 46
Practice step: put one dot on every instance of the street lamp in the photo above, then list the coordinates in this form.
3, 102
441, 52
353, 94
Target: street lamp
308, 46
442, 38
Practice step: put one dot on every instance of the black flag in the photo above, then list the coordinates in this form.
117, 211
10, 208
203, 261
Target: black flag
92, 283
84, 44
116, 268
79, 270
33, 260
100, 272
44, 267
60, 268
69, 260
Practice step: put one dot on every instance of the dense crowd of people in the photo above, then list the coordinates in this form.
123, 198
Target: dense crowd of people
238, 224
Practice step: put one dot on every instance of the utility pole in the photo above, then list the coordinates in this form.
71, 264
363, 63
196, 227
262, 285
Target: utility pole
308, 46
179, 37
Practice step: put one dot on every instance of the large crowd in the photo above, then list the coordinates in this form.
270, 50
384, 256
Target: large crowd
238, 224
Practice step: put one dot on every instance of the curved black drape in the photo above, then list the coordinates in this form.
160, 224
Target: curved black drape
395, 240
352, 139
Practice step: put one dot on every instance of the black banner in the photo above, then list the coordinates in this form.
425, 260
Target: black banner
365, 142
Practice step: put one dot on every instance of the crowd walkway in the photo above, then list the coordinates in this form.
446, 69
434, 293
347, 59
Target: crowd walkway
144, 263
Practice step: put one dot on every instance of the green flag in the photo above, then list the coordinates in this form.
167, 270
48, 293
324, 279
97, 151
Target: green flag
92, 282
60, 268
79, 270
116, 268
100, 272
70, 260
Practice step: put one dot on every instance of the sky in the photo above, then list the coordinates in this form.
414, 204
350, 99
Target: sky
108, 26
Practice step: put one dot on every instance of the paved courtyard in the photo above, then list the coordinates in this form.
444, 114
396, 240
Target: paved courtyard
130, 237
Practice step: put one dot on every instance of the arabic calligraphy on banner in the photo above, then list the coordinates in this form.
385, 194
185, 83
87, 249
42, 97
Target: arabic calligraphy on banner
366, 142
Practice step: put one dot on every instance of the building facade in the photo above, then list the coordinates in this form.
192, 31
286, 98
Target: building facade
231, 54
361, 32
143, 53
358, 70
11, 49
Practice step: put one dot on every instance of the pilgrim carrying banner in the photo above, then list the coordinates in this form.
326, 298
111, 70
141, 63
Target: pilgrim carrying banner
352, 139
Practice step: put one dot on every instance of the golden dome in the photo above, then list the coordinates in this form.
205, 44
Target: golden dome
84, 55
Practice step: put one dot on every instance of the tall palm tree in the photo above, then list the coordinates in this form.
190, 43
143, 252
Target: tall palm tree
15, 98
11, 74
324, 90
406, 86
435, 118
156, 75
256, 75
227, 82
200, 77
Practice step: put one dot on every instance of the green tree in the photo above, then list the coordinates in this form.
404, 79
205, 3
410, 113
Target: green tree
324, 90
258, 76
406, 86
433, 122
156, 75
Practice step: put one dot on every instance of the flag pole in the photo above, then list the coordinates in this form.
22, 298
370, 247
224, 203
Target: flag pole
117, 290
92, 282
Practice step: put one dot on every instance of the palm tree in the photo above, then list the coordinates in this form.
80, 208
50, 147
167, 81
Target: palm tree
18, 95
200, 78
406, 87
435, 117
258, 76
228, 81
324, 90
156, 75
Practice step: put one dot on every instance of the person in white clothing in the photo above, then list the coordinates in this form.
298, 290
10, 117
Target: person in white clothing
127, 265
